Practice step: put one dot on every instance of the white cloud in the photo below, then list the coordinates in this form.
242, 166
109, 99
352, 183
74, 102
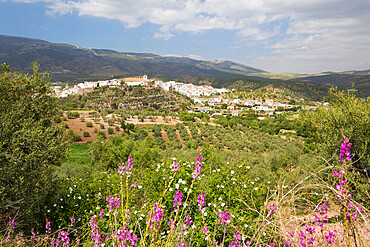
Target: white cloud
335, 31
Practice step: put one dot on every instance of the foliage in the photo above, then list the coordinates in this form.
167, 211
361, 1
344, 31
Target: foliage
348, 116
30, 144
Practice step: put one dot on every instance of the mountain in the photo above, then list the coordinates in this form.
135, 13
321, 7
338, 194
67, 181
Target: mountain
68, 62
343, 80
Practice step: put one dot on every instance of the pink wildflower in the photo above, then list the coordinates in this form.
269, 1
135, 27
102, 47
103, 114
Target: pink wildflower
122, 170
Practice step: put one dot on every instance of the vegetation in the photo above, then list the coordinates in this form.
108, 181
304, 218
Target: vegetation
30, 145
226, 181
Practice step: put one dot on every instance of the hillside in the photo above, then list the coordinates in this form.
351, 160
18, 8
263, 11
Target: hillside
68, 62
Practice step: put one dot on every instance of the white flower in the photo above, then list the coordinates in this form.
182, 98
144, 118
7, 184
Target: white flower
185, 189
255, 188
252, 182
170, 189
177, 186
248, 167
218, 186
61, 199
48, 211
79, 197
222, 204
54, 205
244, 186
205, 214
232, 172
140, 186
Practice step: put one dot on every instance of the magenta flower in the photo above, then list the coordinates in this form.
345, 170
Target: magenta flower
198, 167
201, 201
73, 220
113, 203
122, 170
48, 228
157, 215
272, 209
175, 166
225, 216
330, 237
133, 186
178, 200
101, 214
205, 230
188, 222
12, 224
33, 235
345, 154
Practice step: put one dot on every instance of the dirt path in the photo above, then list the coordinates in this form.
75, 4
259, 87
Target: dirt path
180, 138
165, 136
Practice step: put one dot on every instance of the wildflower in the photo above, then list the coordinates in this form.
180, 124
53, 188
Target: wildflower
178, 200
205, 230
157, 215
225, 216
122, 170
133, 185
345, 154
48, 228
33, 235
12, 224
271, 211
330, 237
72, 221
175, 166
198, 167
113, 203
101, 214
188, 222
201, 201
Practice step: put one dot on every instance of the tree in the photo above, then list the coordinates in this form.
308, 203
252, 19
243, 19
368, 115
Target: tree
324, 127
30, 144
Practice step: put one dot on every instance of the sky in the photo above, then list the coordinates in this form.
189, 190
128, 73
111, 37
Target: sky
281, 36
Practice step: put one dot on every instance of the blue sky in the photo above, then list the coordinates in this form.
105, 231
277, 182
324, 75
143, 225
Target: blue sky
274, 35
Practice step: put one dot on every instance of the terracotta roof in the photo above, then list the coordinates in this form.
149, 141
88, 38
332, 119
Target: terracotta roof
134, 79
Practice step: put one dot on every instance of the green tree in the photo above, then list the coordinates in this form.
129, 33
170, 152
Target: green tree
324, 127
30, 144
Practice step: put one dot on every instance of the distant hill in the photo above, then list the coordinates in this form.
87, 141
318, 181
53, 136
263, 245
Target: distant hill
71, 63
68, 62
343, 80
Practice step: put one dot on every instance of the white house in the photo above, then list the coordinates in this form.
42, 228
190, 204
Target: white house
136, 81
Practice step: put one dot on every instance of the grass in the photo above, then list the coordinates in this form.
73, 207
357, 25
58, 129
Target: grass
79, 153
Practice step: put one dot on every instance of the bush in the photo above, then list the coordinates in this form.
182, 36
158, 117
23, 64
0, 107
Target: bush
110, 131
76, 138
86, 133
64, 118
64, 125
117, 128
101, 135
82, 119
89, 124
95, 130
102, 126
111, 122
57, 119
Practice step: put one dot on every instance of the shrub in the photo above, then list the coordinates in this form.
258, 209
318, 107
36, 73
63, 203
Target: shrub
101, 126
95, 130
64, 118
101, 134
89, 124
110, 131
57, 119
86, 133
110, 122
64, 125
76, 138
82, 119
117, 128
